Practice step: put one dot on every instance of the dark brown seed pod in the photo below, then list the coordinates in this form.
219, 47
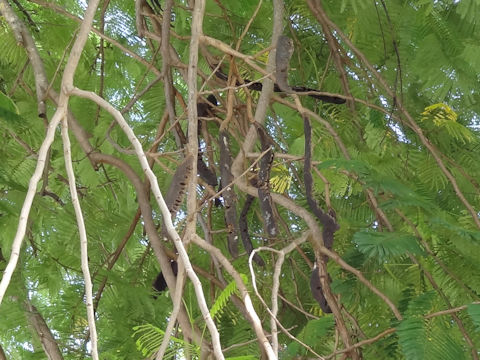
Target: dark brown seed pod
243, 227
263, 181
178, 186
317, 291
282, 59
229, 196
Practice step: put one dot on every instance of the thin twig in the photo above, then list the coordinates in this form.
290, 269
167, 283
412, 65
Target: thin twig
276, 282
252, 315
177, 302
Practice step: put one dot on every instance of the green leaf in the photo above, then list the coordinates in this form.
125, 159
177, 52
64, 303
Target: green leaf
222, 298
474, 312
298, 146
412, 338
9, 114
150, 337
311, 334
358, 167
386, 246
316, 329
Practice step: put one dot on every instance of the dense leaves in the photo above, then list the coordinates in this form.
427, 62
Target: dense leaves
394, 158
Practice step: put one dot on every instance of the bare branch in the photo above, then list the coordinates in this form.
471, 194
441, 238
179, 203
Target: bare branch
37, 322
276, 283
83, 237
177, 302
160, 201
253, 317
192, 149
67, 82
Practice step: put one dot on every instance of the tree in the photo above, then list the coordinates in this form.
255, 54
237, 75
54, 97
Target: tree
302, 173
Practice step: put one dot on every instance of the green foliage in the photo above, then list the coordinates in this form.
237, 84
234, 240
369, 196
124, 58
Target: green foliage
419, 341
222, 298
474, 312
315, 334
280, 179
149, 339
411, 334
386, 246
427, 339
372, 164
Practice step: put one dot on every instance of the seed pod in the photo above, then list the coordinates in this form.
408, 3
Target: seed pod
229, 197
282, 59
263, 182
317, 292
205, 173
160, 284
178, 186
243, 227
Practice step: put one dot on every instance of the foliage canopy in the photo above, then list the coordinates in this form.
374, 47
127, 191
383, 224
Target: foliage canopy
398, 164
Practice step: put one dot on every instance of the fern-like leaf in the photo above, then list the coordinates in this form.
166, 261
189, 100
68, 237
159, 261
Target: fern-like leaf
474, 312
281, 179
385, 246
150, 338
411, 337
222, 299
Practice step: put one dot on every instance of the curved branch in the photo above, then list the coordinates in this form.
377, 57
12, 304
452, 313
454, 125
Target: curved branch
276, 284
162, 205
252, 315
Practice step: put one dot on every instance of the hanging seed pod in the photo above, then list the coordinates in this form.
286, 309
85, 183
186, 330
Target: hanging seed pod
317, 291
282, 59
205, 173
263, 182
178, 186
243, 227
229, 197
